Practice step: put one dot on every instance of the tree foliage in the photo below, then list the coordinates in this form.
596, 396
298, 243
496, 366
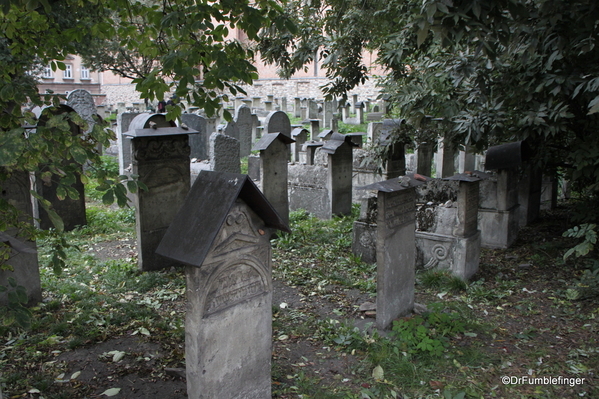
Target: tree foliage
495, 71
183, 47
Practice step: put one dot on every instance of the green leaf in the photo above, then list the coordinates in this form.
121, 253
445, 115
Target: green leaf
108, 197
132, 186
79, 154
3, 289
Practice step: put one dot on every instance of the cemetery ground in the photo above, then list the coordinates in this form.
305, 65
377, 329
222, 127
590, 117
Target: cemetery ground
104, 329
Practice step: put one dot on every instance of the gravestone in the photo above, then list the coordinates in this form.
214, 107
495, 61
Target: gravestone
314, 128
424, 158
312, 110
256, 101
198, 143
15, 189
310, 148
339, 173
72, 211
327, 115
357, 138
230, 129
268, 105
325, 135
284, 104
359, 113
498, 209
123, 121
297, 105
445, 158
466, 160
273, 171
161, 160
395, 249
255, 123
224, 153
278, 122
300, 135
244, 123
354, 103
364, 230
374, 131
82, 102
222, 234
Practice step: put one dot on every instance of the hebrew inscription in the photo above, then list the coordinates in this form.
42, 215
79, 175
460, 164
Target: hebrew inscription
233, 285
399, 209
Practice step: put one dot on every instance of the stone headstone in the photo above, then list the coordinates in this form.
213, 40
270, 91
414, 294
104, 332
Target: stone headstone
72, 211
529, 194
123, 121
23, 256
339, 175
297, 105
161, 160
273, 171
445, 158
312, 109
222, 233
224, 153
315, 128
424, 158
300, 135
82, 102
395, 250
327, 116
198, 143
310, 148
278, 122
243, 120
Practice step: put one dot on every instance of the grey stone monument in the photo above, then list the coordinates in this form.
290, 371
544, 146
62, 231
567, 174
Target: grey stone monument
161, 160
445, 158
300, 135
224, 153
339, 176
15, 190
82, 102
278, 122
198, 143
222, 234
243, 120
72, 211
395, 249
314, 128
424, 158
273, 171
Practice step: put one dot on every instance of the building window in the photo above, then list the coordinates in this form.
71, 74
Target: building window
47, 72
84, 73
68, 72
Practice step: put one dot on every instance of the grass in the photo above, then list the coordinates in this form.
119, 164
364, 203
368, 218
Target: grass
509, 321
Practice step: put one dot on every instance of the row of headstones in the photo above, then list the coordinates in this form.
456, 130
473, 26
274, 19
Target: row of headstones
16, 190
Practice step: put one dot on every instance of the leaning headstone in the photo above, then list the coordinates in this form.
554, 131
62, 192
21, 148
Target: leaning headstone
273, 171
224, 153
198, 143
161, 160
395, 249
71, 210
222, 233
243, 120
15, 189
339, 174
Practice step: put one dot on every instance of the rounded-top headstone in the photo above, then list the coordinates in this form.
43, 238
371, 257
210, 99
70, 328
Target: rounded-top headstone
278, 122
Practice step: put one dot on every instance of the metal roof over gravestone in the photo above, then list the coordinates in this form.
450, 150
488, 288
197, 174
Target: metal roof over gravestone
193, 230
268, 138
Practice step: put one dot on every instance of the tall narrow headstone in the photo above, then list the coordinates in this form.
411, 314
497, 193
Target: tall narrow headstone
71, 211
198, 143
161, 160
314, 128
312, 109
82, 102
297, 105
529, 194
354, 103
123, 121
224, 153
360, 113
424, 158
445, 158
222, 233
243, 120
466, 160
327, 116
284, 104
273, 171
395, 250
339, 173
15, 189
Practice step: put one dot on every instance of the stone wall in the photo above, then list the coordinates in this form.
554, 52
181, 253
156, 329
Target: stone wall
297, 87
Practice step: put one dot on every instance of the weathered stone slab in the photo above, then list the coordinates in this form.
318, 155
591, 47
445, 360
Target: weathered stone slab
224, 153
244, 122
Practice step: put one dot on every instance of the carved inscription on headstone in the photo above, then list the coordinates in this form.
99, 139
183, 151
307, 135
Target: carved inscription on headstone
399, 210
232, 286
